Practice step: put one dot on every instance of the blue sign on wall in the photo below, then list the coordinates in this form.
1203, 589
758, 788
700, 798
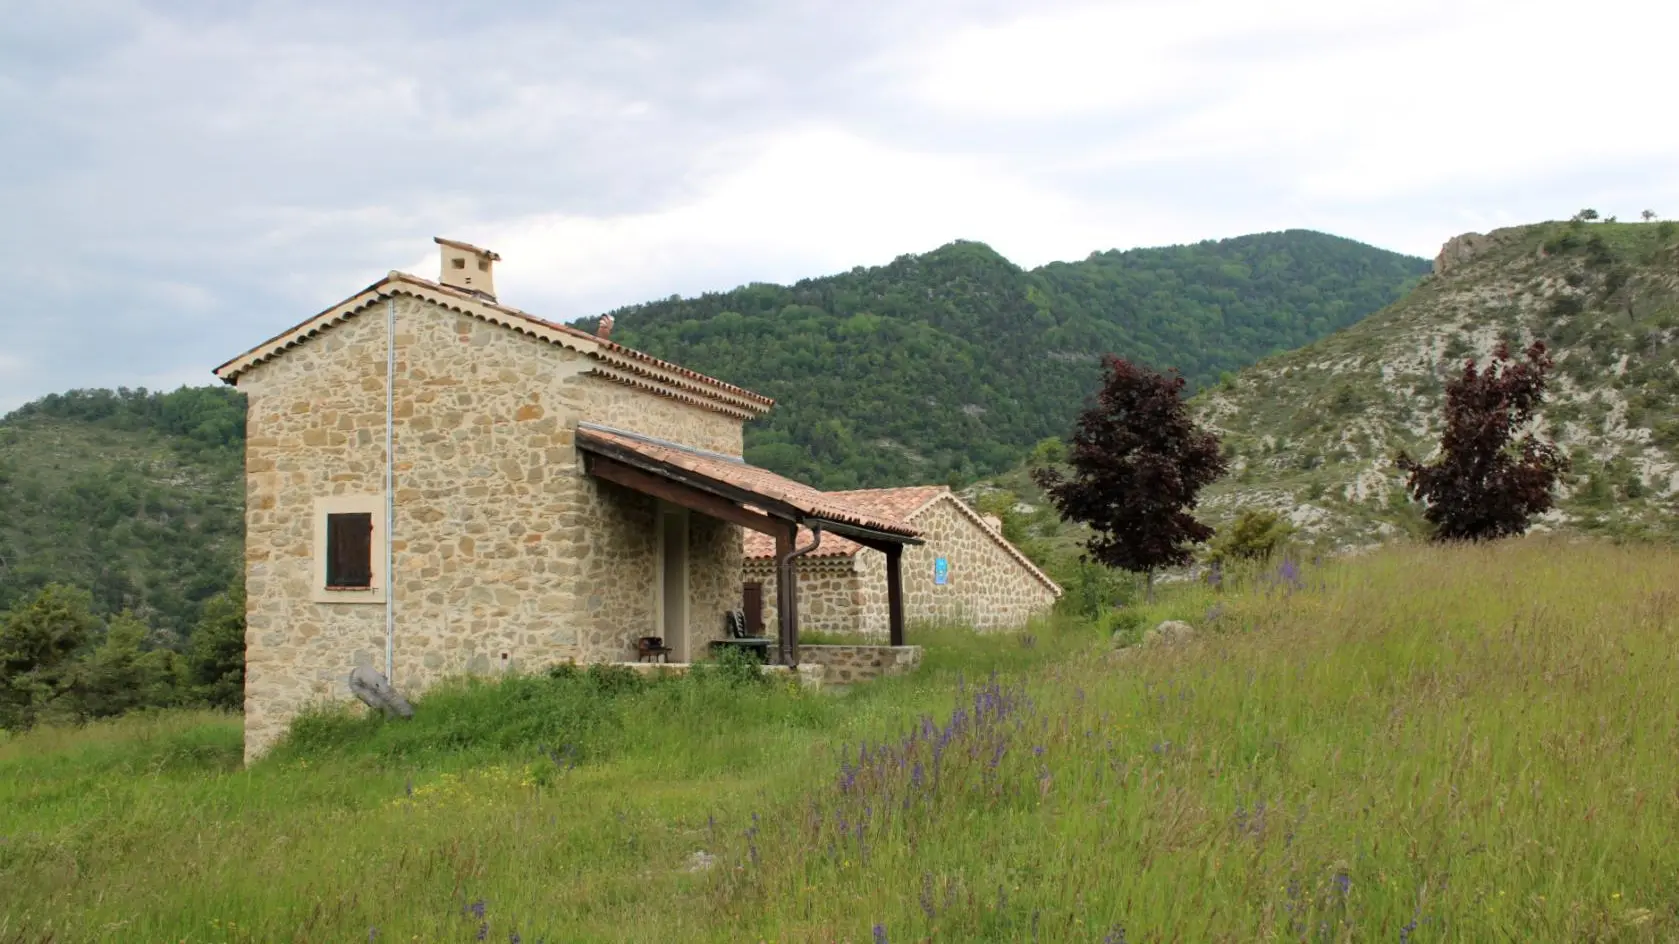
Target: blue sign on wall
941, 571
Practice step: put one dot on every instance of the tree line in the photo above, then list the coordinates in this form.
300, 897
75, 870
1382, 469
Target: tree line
60, 663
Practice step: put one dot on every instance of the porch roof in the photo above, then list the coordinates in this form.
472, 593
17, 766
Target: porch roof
757, 492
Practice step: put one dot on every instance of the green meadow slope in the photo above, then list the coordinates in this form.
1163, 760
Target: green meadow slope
1417, 744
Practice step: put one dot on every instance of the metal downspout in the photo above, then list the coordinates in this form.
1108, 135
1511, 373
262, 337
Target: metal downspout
390, 490
788, 647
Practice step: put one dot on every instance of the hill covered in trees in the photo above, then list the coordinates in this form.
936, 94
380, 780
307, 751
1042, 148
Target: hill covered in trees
136, 497
950, 365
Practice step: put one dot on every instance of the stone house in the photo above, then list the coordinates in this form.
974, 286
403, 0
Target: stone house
438, 483
965, 571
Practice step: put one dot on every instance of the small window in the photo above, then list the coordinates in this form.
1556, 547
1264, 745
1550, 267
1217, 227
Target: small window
483, 265
459, 263
349, 551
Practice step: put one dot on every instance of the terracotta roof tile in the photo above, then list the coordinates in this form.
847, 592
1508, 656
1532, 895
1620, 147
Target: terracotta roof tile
645, 369
903, 504
761, 482
896, 503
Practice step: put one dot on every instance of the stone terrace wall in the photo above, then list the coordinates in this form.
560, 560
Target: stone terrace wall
829, 595
500, 544
987, 588
844, 665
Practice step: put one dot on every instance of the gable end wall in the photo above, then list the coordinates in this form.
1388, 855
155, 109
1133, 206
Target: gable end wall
501, 545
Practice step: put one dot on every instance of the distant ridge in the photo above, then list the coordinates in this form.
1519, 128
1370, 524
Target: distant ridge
949, 365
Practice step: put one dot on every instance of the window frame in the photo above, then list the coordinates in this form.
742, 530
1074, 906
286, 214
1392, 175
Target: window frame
325, 508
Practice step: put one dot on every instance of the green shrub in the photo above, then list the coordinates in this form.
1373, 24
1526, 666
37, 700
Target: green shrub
1124, 624
1254, 535
1091, 589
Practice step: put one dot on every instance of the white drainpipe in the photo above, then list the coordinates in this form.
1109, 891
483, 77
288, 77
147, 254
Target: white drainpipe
390, 489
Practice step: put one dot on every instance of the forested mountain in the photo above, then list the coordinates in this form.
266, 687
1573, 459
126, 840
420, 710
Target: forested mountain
949, 365
1312, 433
137, 497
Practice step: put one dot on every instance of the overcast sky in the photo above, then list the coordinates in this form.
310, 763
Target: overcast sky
182, 180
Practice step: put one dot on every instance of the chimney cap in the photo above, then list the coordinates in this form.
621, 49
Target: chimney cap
457, 244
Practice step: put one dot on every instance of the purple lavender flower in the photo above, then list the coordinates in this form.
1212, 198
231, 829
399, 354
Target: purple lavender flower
927, 895
880, 934
1344, 882
477, 909
1116, 935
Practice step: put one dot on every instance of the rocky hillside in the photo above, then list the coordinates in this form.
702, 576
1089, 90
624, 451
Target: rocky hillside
1313, 432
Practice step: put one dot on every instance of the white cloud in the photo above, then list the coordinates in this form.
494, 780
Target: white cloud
1340, 101
806, 202
185, 181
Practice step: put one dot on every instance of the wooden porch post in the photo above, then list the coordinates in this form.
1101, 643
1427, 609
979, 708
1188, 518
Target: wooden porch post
895, 594
786, 595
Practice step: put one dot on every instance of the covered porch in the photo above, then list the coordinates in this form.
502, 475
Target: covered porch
726, 488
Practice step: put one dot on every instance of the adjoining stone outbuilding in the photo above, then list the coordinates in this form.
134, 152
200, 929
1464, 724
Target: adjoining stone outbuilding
965, 572
437, 483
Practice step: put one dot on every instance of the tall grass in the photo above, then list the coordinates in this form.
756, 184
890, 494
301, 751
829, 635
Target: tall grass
1425, 744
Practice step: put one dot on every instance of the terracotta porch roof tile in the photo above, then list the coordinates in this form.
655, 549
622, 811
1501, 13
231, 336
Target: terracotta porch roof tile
730, 471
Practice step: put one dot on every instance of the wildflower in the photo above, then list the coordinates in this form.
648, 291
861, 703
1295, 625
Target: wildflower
880, 934
1116, 935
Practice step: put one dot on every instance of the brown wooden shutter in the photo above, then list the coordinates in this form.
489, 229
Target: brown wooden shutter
753, 602
349, 551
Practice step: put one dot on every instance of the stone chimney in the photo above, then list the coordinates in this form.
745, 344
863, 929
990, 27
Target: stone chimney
604, 331
467, 267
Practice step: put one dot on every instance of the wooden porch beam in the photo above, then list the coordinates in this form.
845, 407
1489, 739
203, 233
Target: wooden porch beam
677, 493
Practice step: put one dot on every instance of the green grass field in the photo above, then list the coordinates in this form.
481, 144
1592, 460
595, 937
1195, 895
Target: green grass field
1422, 744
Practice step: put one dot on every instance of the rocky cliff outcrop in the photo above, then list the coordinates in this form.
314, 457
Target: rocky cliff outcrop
1459, 250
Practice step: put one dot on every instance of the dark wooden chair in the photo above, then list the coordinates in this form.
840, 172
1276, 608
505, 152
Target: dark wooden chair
735, 627
651, 649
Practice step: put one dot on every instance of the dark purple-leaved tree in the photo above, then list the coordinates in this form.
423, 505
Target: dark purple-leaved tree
1137, 461
1488, 481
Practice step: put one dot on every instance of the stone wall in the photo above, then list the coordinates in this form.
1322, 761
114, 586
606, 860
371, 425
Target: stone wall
987, 587
829, 596
506, 556
845, 665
